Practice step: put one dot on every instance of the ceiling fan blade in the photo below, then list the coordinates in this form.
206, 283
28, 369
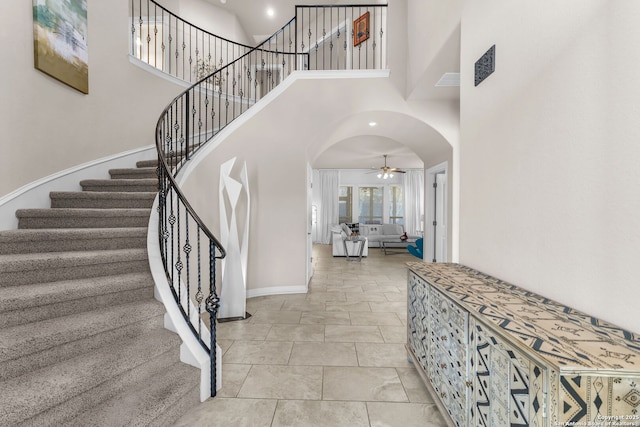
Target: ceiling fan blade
397, 171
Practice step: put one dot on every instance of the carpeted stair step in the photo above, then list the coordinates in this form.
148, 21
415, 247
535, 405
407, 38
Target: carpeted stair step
24, 348
147, 163
42, 301
48, 397
81, 337
22, 269
120, 185
159, 401
154, 163
133, 173
71, 239
102, 200
82, 218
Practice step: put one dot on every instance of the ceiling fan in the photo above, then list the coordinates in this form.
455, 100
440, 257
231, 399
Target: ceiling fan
386, 171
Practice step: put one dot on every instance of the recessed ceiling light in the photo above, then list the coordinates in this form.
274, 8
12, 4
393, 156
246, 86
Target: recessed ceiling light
223, 1
271, 12
372, 124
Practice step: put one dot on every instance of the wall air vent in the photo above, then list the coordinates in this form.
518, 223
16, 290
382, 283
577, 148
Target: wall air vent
449, 79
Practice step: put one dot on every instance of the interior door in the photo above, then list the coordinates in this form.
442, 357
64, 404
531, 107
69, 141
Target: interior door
440, 227
309, 223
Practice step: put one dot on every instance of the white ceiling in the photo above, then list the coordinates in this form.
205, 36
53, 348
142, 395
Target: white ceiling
366, 152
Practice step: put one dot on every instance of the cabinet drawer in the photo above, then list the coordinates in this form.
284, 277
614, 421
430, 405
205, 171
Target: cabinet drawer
508, 387
452, 344
449, 315
454, 404
417, 345
417, 319
453, 376
449, 324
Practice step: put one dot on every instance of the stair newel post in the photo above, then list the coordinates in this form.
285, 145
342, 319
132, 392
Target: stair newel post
212, 305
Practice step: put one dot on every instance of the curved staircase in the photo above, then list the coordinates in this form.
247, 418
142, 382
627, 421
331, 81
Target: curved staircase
81, 337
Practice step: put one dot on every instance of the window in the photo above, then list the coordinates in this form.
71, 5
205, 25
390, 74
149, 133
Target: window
345, 203
370, 205
396, 205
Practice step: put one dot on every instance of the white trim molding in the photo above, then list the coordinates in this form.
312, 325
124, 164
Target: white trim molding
276, 290
36, 194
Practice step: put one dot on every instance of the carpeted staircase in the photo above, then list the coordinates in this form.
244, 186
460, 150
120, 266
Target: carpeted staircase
82, 341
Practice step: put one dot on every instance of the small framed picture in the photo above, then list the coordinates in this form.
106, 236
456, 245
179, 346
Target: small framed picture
361, 29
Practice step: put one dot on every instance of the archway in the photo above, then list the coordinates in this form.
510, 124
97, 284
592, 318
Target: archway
359, 142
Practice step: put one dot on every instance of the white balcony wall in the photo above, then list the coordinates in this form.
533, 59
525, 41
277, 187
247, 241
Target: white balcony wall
433, 33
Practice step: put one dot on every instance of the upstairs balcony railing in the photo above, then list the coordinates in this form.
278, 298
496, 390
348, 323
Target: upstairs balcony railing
175, 46
328, 37
317, 38
342, 37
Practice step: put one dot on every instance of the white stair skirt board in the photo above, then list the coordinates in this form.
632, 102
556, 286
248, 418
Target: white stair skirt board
234, 202
36, 193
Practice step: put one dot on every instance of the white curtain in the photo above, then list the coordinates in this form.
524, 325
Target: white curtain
414, 201
328, 210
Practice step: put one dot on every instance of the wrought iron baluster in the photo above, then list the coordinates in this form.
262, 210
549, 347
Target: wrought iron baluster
373, 41
170, 39
199, 295
324, 36
334, 27
178, 265
184, 47
148, 38
212, 305
140, 22
155, 36
172, 222
366, 51
309, 33
133, 30
187, 251
316, 36
162, 45
346, 39
191, 54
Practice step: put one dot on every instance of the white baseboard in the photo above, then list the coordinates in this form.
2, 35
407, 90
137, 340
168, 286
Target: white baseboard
277, 290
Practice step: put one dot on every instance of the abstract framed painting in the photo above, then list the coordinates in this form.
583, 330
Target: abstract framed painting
361, 29
60, 41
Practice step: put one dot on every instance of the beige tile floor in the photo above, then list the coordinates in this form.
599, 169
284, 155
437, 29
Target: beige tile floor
333, 357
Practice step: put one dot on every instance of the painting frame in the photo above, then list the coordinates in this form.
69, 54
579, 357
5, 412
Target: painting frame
60, 47
361, 29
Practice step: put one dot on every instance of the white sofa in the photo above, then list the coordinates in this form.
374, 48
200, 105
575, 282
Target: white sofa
376, 232
338, 236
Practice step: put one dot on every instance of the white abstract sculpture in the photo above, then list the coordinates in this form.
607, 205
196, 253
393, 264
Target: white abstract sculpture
235, 239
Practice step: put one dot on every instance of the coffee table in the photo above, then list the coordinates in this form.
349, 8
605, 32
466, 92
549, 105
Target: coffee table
393, 245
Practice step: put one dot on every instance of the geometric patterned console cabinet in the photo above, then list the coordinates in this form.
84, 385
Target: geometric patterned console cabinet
496, 355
